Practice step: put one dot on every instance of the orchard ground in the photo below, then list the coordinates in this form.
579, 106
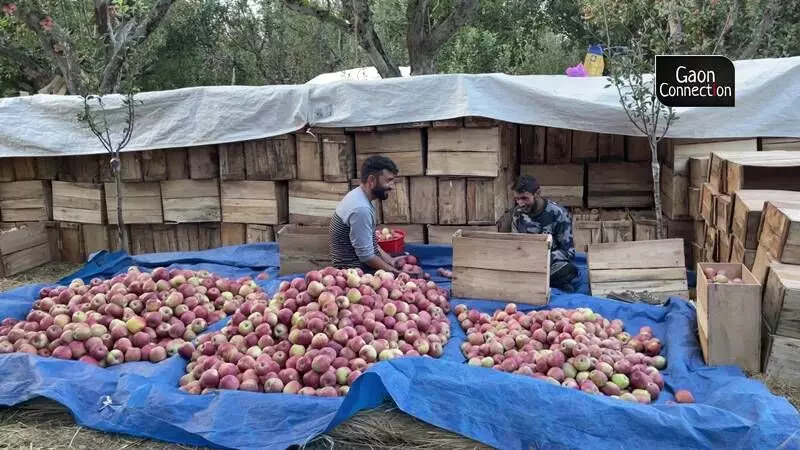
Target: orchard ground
45, 424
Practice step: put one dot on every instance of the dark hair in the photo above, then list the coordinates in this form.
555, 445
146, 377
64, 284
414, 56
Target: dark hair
375, 165
526, 183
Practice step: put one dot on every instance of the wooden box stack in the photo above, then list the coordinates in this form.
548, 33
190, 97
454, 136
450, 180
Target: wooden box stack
600, 226
780, 331
729, 317
481, 268
655, 266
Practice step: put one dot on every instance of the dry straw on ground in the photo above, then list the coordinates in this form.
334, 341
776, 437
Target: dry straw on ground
44, 424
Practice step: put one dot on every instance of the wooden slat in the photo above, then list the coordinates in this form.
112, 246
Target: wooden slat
401, 126
83, 168
636, 255
558, 149
723, 247
610, 147
191, 200
26, 259
397, 208
22, 237
130, 168
480, 201
479, 122
271, 159
615, 226
723, 210
71, 242
619, 185
584, 146
142, 239
694, 203
203, 162
404, 147
338, 157
6, 173
448, 123
562, 183
424, 195
259, 233
655, 286
24, 168
707, 203
177, 164
747, 207
165, 238
95, 238
773, 144
452, 201
698, 170
141, 203
586, 232
675, 192
231, 161
233, 233
464, 151
710, 244
637, 149
78, 202
532, 144
741, 255
309, 157
766, 175
314, 202
619, 275
154, 165
531, 255
780, 231
25, 201
443, 234
47, 168
783, 360
781, 301
248, 201
209, 236
188, 237
519, 287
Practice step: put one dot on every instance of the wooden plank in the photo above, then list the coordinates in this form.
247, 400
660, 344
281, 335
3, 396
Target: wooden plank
747, 207
783, 360
247, 201
780, 231
621, 275
142, 239
452, 201
448, 123
130, 168
725, 307
532, 144
519, 287
233, 233
203, 162
154, 165
558, 149
479, 122
231, 161
397, 208
584, 146
415, 233
402, 126
54, 239
303, 248
530, 255
562, 183
314, 202
338, 157
698, 170
659, 284
464, 151
112, 237
165, 238
424, 195
187, 236
619, 185
24, 168
404, 147
723, 247
71, 242
309, 157
443, 234
610, 147
679, 153
637, 149
21, 237
78, 202
707, 203
480, 201
47, 168
763, 175
723, 211
256, 233
26, 201
6, 173
95, 238
82, 168
694, 203
177, 164
209, 236
26, 259
191, 201
271, 159
675, 194
773, 144
781, 301
639, 254
141, 203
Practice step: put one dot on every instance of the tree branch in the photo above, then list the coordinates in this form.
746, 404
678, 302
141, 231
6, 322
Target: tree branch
128, 37
30, 66
462, 13
57, 44
306, 8
102, 20
767, 21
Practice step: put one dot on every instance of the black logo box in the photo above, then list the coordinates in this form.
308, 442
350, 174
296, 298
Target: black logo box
695, 80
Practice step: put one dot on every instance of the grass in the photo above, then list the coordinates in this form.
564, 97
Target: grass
44, 424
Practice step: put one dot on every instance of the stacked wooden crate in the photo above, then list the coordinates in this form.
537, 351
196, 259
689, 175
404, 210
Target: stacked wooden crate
780, 333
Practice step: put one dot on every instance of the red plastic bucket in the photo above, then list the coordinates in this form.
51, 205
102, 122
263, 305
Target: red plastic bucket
394, 245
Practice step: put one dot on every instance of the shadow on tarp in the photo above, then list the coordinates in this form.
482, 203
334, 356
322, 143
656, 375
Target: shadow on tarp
502, 410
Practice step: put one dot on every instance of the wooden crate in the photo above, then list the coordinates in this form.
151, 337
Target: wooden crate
723, 211
142, 239
707, 202
464, 151
233, 233
256, 233
26, 201
698, 171
584, 146
154, 165
203, 162
271, 159
78, 202
314, 202
781, 303
177, 163
729, 318
425, 194
532, 143
772, 144
619, 185
6, 173
644, 225
677, 155
558, 148
415, 233
562, 183
23, 248
47, 168
452, 201
24, 168
397, 208
481, 201
208, 236
781, 358
71, 237
740, 254
615, 226
404, 147
723, 247
674, 193
141, 203
481, 269
610, 147
232, 164
747, 207
165, 238
191, 201
338, 157
95, 238
264, 202
112, 237
586, 228
303, 248
779, 231
443, 234
656, 266
309, 157
637, 149
778, 171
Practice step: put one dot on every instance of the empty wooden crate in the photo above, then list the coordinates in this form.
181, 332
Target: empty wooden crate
23, 248
258, 202
729, 317
654, 266
303, 248
481, 266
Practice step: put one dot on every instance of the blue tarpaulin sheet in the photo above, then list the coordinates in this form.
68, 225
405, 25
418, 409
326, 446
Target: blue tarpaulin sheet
502, 410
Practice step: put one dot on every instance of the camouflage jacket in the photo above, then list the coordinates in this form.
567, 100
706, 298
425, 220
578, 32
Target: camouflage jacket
555, 221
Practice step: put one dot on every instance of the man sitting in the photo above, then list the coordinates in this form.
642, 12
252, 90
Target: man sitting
537, 215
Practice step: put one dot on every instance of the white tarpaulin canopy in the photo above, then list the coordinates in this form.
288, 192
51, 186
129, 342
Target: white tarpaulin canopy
767, 105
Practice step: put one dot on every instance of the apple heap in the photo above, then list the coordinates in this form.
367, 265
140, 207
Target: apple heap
385, 234
135, 316
720, 276
574, 348
320, 332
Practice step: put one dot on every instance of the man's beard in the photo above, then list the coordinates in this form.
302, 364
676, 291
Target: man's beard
381, 192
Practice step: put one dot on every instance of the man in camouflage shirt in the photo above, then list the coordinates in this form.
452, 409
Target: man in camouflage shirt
537, 215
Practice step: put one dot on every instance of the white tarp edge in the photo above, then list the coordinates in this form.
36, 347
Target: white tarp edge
767, 105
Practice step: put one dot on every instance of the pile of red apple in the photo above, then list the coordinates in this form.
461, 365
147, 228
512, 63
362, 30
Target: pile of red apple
574, 348
720, 276
136, 316
385, 234
410, 265
319, 333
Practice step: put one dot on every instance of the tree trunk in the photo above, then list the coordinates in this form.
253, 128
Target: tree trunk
122, 234
656, 168
422, 61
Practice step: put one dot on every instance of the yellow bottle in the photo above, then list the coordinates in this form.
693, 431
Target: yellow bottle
594, 63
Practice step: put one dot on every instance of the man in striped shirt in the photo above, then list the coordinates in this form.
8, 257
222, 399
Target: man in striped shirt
353, 243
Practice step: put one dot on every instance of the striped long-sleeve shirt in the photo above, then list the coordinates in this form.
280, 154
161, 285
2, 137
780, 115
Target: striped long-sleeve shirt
352, 231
